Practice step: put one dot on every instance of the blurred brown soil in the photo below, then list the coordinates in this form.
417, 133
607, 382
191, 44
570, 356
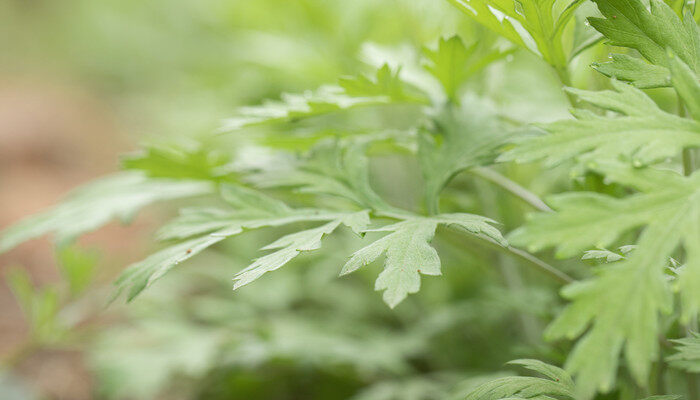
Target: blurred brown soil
52, 138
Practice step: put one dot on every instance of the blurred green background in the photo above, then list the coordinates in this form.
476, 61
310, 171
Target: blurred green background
82, 81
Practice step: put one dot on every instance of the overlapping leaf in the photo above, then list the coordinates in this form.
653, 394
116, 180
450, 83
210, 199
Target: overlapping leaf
205, 227
384, 88
457, 139
336, 168
537, 17
622, 304
643, 133
651, 32
688, 356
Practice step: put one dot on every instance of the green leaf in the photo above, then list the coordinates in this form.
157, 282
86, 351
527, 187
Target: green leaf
651, 32
384, 88
558, 385
95, 204
602, 255
687, 357
622, 304
459, 138
630, 69
686, 84
292, 245
78, 267
39, 305
537, 17
179, 162
409, 254
643, 133
206, 227
452, 63
334, 167
479, 10
449, 63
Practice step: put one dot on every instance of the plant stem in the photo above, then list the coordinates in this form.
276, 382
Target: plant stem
688, 154
511, 187
509, 269
688, 162
538, 264
565, 79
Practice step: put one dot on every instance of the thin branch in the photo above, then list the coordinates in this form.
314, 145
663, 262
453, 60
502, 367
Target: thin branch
532, 260
512, 187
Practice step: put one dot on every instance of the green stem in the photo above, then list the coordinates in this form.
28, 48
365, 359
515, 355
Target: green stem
688, 154
688, 161
509, 269
565, 79
538, 264
511, 187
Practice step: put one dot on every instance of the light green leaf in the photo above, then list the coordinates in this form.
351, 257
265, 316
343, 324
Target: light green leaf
39, 305
635, 70
644, 133
449, 63
78, 267
479, 10
458, 138
179, 162
117, 196
336, 168
622, 304
384, 88
452, 63
559, 384
603, 255
292, 245
685, 81
651, 32
205, 227
687, 357
409, 254
537, 17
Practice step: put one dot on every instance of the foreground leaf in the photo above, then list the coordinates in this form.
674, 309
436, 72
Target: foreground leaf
622, 304
206, 227
117, 196
558, 385
651, 32
409, 254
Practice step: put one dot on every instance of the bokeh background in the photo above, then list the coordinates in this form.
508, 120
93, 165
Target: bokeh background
83, 81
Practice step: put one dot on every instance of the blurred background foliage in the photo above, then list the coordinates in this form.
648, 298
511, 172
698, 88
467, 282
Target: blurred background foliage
166, 72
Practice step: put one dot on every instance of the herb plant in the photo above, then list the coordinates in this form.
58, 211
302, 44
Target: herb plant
629, 201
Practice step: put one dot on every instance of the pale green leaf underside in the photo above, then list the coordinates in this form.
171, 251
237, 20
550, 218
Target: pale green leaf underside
118, 196
409, 254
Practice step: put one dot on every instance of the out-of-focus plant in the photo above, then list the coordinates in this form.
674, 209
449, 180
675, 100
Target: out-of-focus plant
420, 148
